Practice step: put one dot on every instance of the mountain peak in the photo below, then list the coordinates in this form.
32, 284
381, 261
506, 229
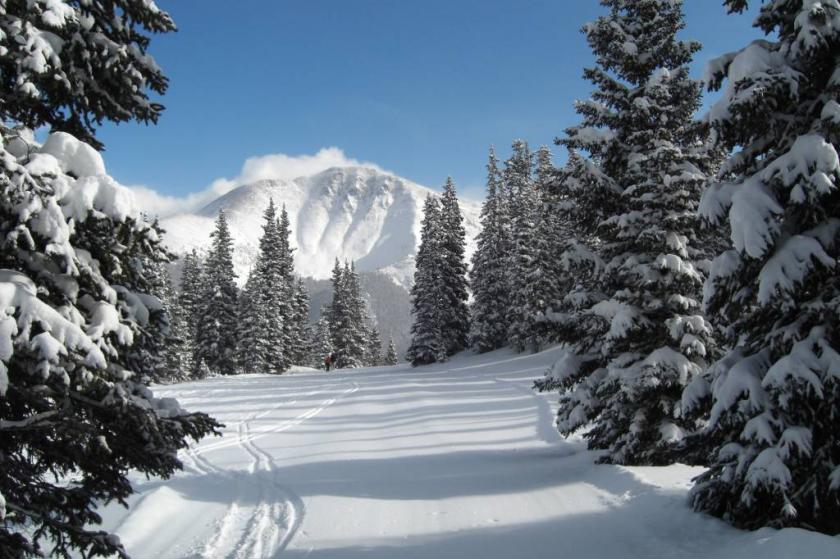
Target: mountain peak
356, 213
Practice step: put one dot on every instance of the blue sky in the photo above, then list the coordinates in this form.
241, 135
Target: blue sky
419, 88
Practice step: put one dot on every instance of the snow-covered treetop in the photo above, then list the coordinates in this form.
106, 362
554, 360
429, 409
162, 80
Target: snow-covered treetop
70, 64
638, 37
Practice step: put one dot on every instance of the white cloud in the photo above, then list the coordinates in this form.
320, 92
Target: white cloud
272, 166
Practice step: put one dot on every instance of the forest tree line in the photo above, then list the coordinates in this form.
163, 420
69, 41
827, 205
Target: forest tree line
264, 327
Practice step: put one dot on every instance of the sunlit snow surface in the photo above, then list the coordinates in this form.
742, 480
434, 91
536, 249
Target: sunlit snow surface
458, 460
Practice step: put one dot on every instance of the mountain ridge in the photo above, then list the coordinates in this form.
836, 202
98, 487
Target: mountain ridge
359, 213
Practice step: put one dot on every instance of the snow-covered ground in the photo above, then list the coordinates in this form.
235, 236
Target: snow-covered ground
458, 460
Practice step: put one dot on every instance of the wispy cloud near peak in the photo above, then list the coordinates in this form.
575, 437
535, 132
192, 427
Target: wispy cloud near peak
278, 166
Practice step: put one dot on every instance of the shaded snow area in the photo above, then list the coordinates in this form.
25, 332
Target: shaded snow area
456, 460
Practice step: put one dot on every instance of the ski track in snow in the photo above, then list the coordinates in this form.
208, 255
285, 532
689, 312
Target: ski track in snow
271, 524
455, 460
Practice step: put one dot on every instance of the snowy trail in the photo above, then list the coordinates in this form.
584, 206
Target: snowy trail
450, 461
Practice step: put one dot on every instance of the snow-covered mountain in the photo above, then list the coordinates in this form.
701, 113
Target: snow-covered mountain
354, 213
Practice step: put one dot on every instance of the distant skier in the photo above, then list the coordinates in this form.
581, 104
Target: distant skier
334, 359
328, 362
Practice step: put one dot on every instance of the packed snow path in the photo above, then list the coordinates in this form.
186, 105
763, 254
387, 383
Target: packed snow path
458, 460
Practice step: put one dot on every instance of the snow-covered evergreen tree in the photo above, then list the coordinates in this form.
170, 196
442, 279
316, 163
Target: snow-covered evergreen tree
80, 331
774, 400
176, 355
283, 289
427, 343
374, 348
542, 293
455, 314
489, 270
271, 292
250, 328
274, 307
77, 313
347, 318
391, 357
69, 67
646, 337
321, 345
155, 346
301, 330
216, 316
178, 352
359, 318
573, 235
189, 296
522, 204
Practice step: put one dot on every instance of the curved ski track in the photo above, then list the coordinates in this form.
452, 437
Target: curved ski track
265, 530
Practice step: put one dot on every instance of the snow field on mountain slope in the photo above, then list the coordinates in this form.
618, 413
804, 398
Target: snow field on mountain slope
355, 213
454, 460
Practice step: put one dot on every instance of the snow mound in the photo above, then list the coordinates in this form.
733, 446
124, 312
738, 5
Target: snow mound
74, 156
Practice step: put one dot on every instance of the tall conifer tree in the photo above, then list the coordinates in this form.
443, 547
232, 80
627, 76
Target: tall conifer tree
522, 204
455, 314
648, 337
427, 343
488, 273
774, 399
215, 340
539, 294
301, 331
80, 323
347, 319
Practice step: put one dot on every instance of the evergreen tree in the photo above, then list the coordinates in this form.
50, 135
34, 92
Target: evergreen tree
428, 344
541, 292
301, 332
215, 342
455, 314
522, 201
272, 292
773, 401
571, 231
374, 349
517, 203
155, 342
179, 352
250, 325
188, 300
81, 329
274, 307
174, 355
646, 337
321, 345
359, 319
283, 287
347, 318
177, 357
488, 274
72, 89
391, 357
